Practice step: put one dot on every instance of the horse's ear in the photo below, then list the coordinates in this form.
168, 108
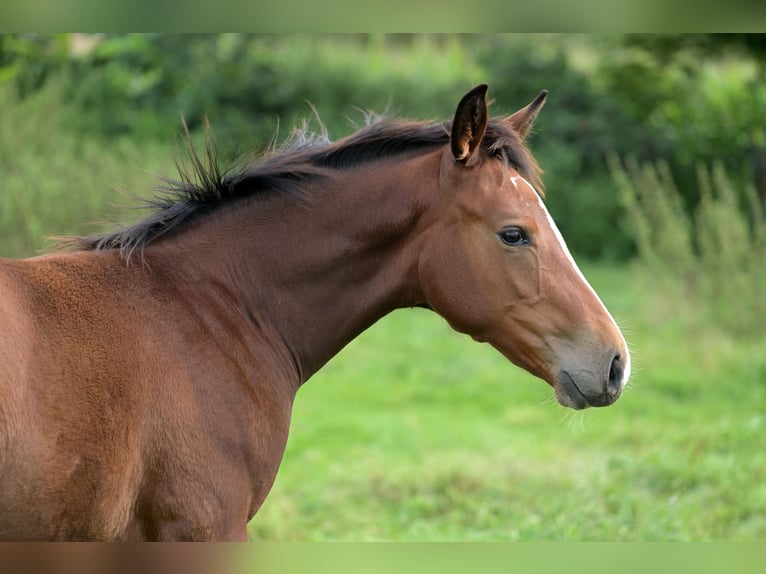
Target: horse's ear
522, 120
469, 124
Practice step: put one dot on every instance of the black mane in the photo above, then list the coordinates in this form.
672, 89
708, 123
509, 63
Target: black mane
205, 185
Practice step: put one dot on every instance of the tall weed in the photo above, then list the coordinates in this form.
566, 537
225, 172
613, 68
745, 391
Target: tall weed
711, 263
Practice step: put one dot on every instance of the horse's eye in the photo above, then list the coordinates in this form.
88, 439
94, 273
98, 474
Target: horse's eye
513, 236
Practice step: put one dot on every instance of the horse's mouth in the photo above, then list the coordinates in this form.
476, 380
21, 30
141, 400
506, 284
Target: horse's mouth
569, 394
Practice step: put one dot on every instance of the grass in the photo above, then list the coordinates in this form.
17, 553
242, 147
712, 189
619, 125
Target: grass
416, 433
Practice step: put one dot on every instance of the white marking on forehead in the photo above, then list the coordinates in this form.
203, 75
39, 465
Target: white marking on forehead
565, 249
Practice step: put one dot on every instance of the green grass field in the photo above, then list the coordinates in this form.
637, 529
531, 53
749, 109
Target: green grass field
416, 433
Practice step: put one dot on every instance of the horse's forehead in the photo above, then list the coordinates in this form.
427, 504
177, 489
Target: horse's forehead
519, 183
521, 187
536, 199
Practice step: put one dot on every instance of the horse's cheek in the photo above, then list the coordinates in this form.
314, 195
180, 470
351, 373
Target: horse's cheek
451, 290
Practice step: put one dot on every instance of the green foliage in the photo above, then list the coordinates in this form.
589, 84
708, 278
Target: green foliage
678, 99
714, 260
55, 182
691, 105
29, 59
247, 84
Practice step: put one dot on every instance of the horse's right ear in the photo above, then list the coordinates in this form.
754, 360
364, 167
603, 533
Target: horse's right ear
522, 120
469, 124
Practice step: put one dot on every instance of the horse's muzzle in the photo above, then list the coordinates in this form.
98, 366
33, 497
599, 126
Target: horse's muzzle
581, 389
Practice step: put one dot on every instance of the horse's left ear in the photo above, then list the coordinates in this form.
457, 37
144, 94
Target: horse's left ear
469, 124
522, 120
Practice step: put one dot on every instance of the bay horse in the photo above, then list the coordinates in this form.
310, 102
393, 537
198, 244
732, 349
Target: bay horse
147, 375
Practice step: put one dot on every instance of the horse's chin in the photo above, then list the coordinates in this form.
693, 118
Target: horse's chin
570, 400
576, 396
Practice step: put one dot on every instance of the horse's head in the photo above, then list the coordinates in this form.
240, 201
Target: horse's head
495, 266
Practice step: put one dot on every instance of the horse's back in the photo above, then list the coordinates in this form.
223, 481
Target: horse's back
119, 416
16, 354
64, 401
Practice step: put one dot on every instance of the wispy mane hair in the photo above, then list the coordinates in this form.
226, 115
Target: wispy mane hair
204, 185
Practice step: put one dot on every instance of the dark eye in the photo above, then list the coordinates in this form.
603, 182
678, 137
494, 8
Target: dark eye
513, 236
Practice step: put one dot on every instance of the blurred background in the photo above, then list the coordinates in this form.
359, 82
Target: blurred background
654, 151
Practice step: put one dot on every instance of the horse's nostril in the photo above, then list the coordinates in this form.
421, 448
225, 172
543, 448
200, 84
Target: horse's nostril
616, 370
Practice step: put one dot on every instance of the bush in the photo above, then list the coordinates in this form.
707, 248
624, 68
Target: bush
248, 84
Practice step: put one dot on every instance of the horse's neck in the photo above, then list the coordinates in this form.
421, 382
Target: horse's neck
314, 273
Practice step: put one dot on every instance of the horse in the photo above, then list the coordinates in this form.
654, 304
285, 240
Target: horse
147, 374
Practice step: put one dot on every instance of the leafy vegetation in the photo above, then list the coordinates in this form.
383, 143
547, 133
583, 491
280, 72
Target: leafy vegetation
56, 182
679, 99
